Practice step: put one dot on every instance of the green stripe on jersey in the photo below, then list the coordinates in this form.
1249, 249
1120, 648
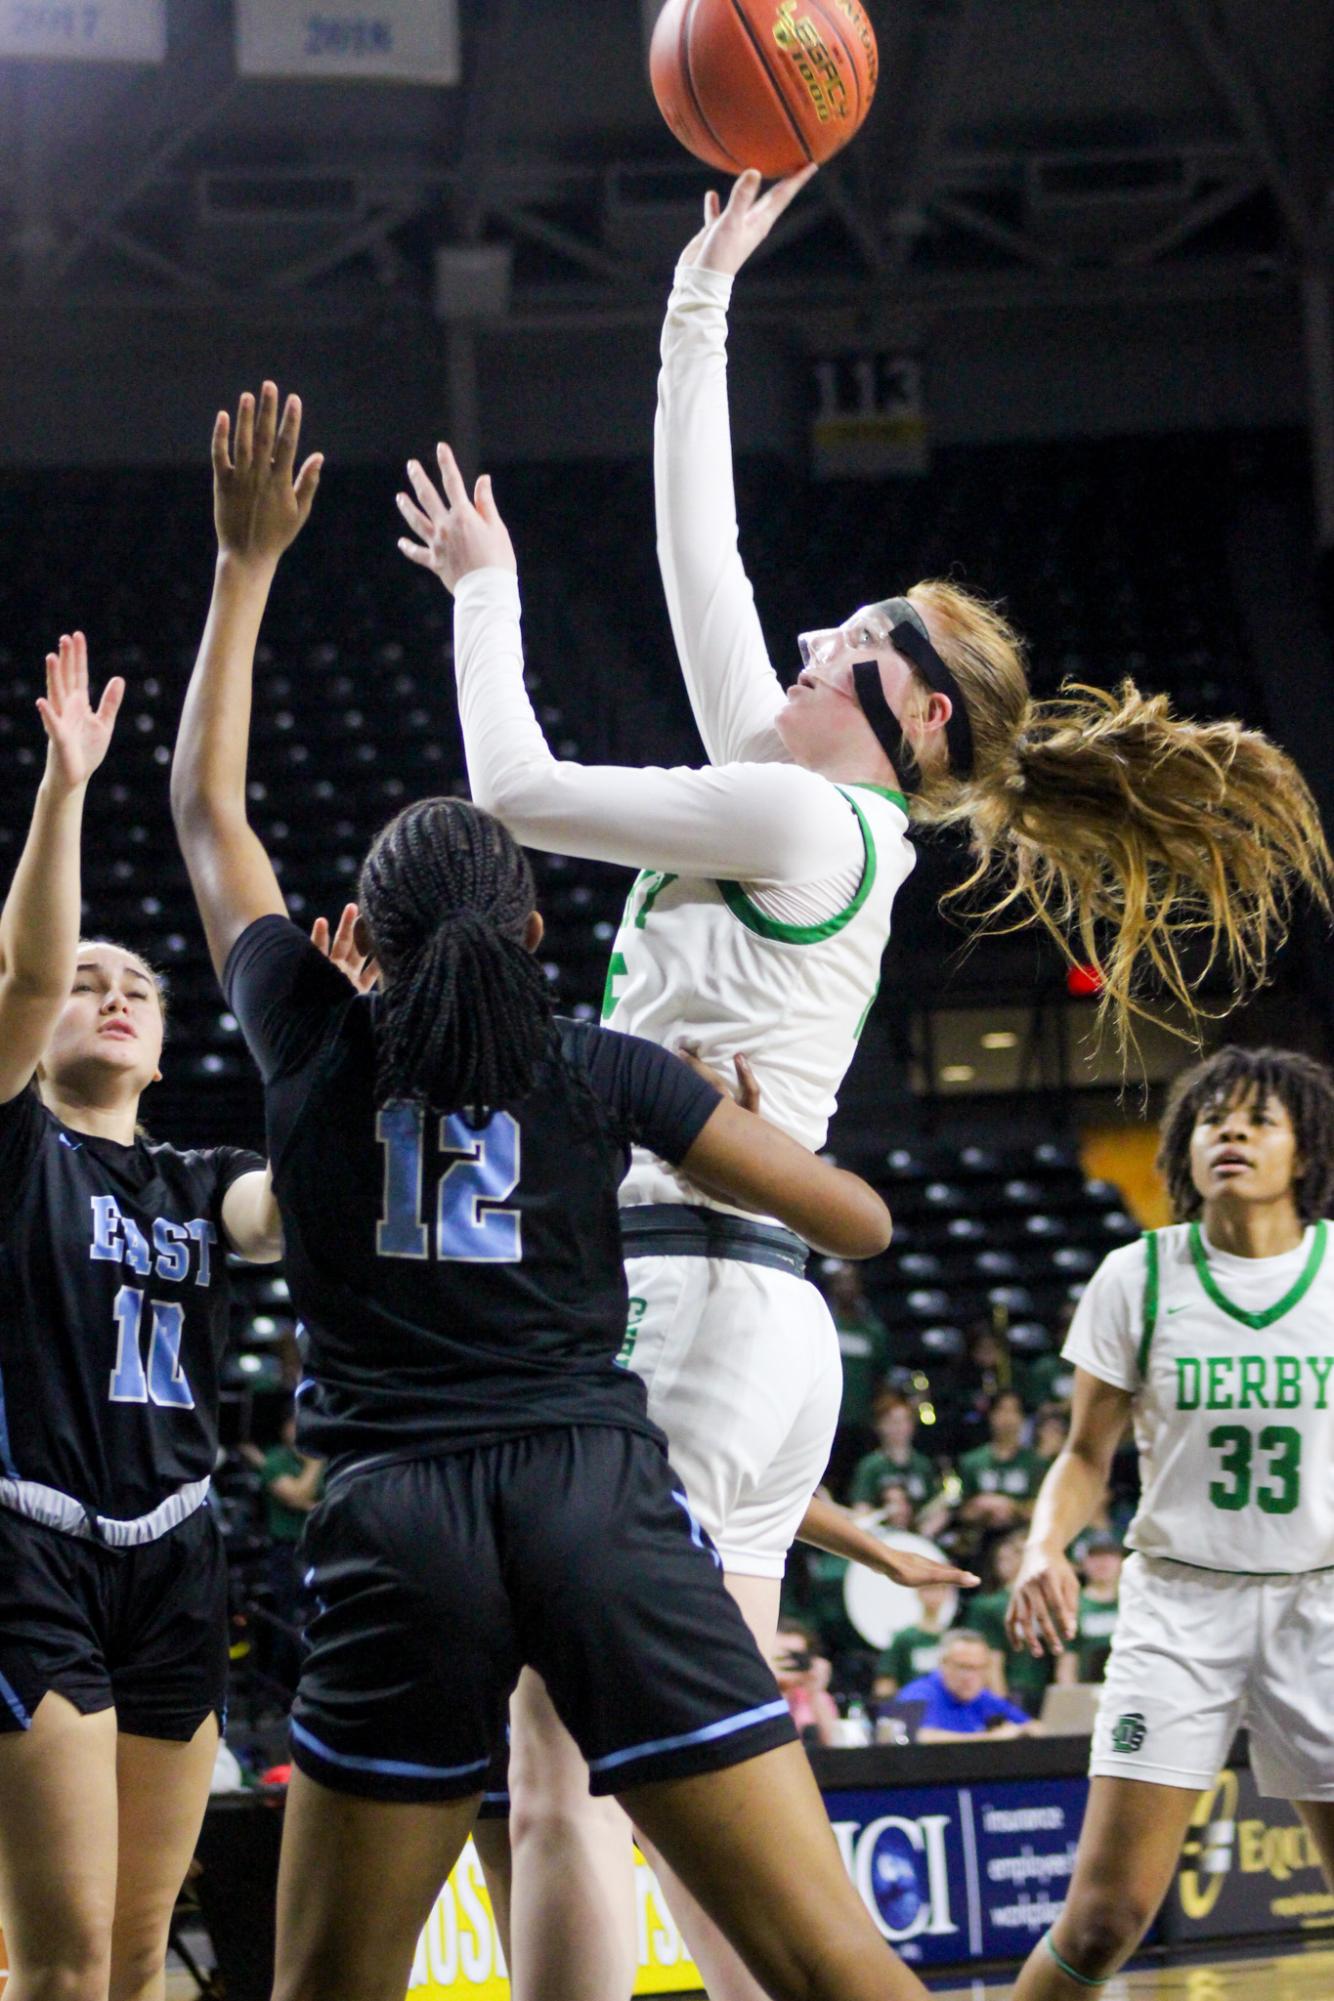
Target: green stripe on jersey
895, 798
1291, 1298
1150, 1300
754, 919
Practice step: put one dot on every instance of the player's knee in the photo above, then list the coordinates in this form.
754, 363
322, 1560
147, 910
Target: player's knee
1097, 1932
76, 1967
137, 1962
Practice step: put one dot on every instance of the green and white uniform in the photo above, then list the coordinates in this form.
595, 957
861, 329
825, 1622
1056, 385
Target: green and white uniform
1227, 1604
756, 924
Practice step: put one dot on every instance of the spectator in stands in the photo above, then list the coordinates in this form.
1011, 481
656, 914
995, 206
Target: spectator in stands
895, 1462
953, 1702
863, 1342
964, 1392
293, 1485
1000, 1480
1049, 1378
1014, 1671
1051, 1428
915, 1650
1099, 1601
802, 1673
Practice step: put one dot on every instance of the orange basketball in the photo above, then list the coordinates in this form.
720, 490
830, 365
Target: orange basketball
763, 83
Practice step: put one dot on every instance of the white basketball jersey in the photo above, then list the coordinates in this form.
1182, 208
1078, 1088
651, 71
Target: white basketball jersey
699, 961
1231, 1363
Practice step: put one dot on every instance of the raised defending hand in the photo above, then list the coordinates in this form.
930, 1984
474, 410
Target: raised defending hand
730, 234
77, 733
456, 534
342, 951
259, 509
1044, 1604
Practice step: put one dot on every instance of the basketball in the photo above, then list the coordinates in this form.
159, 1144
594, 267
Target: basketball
771, 84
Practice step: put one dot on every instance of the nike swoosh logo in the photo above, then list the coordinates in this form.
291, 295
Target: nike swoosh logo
1174, 1309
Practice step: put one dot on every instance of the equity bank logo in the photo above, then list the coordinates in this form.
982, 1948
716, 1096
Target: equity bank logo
1206, 1854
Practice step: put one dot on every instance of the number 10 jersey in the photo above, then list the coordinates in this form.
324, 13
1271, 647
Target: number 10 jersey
1231, 1364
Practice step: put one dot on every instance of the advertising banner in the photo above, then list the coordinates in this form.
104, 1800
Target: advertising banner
957, 1873
91, 31
1247, 1866
458, 1953
392, 41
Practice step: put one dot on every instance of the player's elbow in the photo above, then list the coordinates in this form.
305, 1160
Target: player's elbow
861, 1225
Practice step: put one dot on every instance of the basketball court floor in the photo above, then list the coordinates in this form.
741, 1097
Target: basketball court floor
1297, 1976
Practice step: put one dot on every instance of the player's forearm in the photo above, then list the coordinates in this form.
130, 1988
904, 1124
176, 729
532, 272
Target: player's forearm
208, 769
719, 643
39, 924
770, 824
828, 1527
1067, 1500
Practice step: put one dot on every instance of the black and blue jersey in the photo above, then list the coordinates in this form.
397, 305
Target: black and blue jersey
458, 1286
113, 1310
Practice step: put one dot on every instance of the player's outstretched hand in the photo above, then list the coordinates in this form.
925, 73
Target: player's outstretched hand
731, 234
1044, 1604
341, 949
78, 735
455, 534
905, 1566
259, 507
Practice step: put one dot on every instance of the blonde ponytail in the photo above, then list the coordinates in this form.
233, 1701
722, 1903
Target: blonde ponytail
1128, 833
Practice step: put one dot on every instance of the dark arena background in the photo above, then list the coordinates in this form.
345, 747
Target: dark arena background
1059, 324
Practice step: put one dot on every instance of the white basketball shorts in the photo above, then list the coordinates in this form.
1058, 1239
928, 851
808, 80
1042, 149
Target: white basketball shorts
1199, 1653
744, 1376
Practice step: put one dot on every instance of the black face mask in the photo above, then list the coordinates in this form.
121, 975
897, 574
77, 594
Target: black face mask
908, 636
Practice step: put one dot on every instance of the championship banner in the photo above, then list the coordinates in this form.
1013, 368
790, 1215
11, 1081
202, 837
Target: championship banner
1248, 1866
90, 31
389, 41
869, 417
458, 1953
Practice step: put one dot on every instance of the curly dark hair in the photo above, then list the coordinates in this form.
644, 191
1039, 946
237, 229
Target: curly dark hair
447, 892
1302, 1086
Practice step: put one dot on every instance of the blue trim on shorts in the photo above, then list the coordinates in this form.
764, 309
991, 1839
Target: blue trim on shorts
397, 1768
13, 1704
7, 1466
496, 1799
766, 1713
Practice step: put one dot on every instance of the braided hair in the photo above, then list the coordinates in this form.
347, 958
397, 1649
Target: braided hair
1304, 1087
447, 893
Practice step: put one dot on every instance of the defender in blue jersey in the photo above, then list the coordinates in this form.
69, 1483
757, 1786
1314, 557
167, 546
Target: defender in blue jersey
446, 1159
113, 1314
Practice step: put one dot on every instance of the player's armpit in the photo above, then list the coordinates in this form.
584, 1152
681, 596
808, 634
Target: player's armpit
250, 1219
740, 1158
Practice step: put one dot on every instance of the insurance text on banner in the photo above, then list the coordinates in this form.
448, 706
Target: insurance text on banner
92, 31
386, 41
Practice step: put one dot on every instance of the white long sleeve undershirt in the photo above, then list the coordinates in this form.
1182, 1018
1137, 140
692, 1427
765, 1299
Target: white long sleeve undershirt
771, 825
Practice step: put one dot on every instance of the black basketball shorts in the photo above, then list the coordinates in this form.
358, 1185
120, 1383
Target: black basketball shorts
572, 1551
143, 1630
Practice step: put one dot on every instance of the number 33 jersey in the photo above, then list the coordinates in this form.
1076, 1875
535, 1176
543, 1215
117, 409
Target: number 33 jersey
1231, 1364
113, 1310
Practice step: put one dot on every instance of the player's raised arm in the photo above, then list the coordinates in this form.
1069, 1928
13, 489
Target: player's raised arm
733, 689
763, 823
259, 507
39, 924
